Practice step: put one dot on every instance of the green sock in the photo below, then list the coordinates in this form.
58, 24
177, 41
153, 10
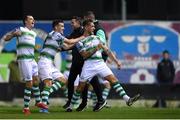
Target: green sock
27, 97
36, 93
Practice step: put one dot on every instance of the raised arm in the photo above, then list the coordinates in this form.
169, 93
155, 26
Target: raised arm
11, 34
110, 54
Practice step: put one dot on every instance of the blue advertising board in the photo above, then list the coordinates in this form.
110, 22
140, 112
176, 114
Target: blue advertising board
139, 47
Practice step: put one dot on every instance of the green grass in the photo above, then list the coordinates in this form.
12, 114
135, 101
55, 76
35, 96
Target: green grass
106, 113
6, 58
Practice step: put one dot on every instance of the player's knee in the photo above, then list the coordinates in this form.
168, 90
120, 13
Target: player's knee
47, 83
107, 85
63, 80
36, 78
36, 82
111, 78
81, 86
29, 84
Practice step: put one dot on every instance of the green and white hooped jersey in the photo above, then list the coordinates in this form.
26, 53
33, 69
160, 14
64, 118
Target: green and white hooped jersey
88, 44
25, 44
53, 42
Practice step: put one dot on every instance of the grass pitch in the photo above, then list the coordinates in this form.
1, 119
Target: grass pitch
107, 113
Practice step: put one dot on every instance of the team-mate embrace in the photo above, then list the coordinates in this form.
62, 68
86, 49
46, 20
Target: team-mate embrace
90, 48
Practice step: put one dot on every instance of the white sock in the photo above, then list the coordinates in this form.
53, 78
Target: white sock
126, 98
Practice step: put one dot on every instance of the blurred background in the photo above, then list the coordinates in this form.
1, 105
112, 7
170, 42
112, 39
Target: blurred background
138, 32
105, 10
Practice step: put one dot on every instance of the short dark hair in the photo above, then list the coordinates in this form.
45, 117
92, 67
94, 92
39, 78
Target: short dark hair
165, 51
25, 18
77, 19
86, 22
56, 22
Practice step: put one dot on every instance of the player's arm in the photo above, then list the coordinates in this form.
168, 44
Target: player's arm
110, 54
11, 34
102, 36
68, 43
73, 41
86, 54
66, 47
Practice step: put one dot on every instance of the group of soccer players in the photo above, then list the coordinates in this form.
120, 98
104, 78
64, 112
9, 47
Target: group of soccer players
89, 46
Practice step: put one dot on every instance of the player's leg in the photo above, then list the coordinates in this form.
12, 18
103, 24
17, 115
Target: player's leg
45, 74
83, 104
90, 90
76, 83
26, 74
108, 75
74, 71
35, 88
59, 80
88, 72
94, 98
76, 95
27, 97
46, 90
65, 90
51, 87
97, 88
120, 90
106, 88
58, 83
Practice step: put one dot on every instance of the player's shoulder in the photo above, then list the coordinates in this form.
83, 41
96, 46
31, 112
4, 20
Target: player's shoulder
56, 35
95, 39
21, 28
24, 29
93, 36
53, 33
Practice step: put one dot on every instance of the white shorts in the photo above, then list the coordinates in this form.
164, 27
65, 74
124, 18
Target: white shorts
92, 68
28, 69
47, 69
76, 82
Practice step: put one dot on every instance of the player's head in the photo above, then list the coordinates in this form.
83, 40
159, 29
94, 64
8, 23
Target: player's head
58, 25
165, 54
89, 15
28, 21
75, 22
88, 26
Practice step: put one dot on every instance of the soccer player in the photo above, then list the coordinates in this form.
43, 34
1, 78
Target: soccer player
76, 67
90, 48
67, 72
54, 43
26, 62
96, 81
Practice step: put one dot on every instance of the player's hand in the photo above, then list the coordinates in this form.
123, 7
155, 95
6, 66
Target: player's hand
118, 64
81, 37
17, 33
59, 49
99, 46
